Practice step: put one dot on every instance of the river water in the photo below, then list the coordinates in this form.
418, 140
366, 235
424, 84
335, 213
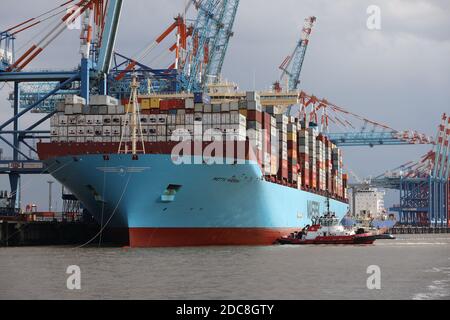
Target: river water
412, 267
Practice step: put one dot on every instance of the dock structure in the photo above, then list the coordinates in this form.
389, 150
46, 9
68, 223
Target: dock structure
419, 230
15, 231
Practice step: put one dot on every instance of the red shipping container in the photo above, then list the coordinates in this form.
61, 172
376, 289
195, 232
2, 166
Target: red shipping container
253, 115
305, 177
164, 105
267, 141
283, 171
267, 121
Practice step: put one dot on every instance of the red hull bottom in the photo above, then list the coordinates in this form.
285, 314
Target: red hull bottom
157, 237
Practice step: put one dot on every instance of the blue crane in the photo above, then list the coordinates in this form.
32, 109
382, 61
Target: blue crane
221, 39
423, 185
96, 49
191, 75
293, 64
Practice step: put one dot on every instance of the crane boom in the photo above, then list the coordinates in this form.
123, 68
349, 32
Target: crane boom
221, 40
108, 39
292, 66
190, 78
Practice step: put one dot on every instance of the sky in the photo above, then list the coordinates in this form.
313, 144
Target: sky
399, 75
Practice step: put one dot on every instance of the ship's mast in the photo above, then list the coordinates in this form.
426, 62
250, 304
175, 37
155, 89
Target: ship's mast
132, 123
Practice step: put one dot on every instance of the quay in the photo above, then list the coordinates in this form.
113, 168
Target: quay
20, 231
419, 230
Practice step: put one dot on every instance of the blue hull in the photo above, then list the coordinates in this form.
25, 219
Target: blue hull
125, 193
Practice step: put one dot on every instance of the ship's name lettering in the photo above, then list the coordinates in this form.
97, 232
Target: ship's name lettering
232, 180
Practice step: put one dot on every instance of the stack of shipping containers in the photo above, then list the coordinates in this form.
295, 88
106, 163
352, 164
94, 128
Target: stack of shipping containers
288, 151
303, 157
282, 127
312, 140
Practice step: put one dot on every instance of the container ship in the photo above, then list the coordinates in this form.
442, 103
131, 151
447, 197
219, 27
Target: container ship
205, 170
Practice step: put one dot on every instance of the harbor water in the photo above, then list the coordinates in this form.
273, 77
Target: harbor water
412, 267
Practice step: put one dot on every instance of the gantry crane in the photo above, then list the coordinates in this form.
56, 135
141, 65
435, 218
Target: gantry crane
99, 23
331, 117
424, 185
293, 64
191, 76
220, 41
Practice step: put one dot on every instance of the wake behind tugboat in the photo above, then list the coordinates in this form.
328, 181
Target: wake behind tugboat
328, 230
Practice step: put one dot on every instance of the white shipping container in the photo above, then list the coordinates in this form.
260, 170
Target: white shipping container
216, 118
74, 99
161, 130
77, 108
234, 105
198, 107
60, 106
68, 109
207, 108
98, 131
54, 132
72, 120
189, 119
89, 131
152, 130
106, 120
225, 118
171, 130
54, 121
198, 117
115, 130
81, 130
120, 109
189, 103
112, 110
252, 96
62, 120
102, 109
72, 131
90, 119
107, 131
254, 106
207, 119
225, 107
81, 121
282, 119
162, 119
98, 120
98, 100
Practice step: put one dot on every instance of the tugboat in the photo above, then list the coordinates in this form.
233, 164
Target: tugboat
328, 230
